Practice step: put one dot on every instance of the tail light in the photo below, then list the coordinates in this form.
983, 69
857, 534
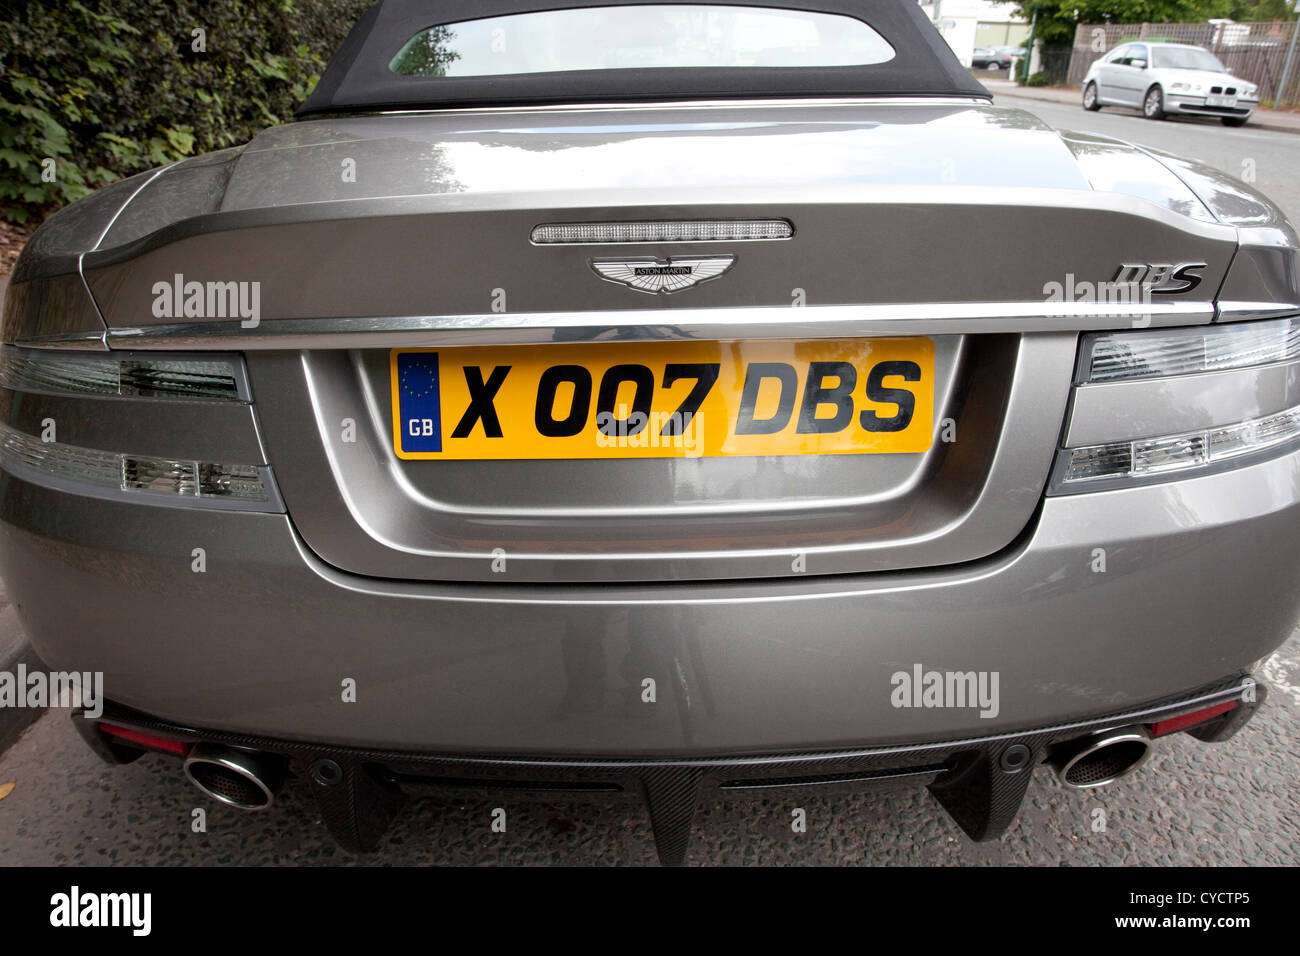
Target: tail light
146, 379
1226, 361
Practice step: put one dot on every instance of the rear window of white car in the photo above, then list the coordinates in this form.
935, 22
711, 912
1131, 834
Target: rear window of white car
639, 37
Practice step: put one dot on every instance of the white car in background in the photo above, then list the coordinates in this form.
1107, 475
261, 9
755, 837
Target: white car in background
1164, 78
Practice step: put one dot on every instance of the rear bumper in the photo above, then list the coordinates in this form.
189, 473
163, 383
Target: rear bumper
981, 782
1200, 581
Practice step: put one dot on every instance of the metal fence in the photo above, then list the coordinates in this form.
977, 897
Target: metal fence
1255, 52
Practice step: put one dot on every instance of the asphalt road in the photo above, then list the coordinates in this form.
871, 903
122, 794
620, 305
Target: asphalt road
1272, 158
1233, 803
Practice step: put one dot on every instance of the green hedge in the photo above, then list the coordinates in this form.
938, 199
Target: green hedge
107, 89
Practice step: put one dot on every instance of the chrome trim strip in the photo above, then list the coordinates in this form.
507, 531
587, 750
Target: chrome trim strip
1247, 311
85, 341
101, 338
828, 321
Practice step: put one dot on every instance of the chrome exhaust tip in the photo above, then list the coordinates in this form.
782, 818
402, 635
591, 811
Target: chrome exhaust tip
238, 778
1101, 758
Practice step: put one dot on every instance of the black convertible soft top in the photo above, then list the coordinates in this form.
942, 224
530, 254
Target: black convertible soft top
358, 77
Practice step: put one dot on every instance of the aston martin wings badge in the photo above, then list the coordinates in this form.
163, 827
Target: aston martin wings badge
662, 276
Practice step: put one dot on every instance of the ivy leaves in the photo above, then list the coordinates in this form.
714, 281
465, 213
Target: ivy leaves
91, 95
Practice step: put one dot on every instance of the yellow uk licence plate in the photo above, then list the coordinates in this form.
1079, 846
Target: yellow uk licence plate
664, 399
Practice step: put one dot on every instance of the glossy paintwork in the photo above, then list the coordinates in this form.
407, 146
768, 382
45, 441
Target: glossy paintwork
1113, 166
1265, 274
938, 172
862, 245
1122, 411
443, 205
681, 571
597, 152
799, 663
146, 427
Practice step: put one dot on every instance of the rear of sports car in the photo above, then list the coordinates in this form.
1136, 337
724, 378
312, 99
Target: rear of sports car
657, 447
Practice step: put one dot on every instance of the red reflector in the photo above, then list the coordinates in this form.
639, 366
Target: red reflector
146, 740
1162, 727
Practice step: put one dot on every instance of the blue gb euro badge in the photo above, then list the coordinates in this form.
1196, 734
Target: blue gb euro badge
419, 401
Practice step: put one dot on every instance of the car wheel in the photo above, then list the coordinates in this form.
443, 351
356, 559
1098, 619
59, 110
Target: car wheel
1090, 98
1234, 120
1153, 107
994, 66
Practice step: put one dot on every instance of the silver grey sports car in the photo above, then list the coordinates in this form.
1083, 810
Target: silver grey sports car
599, 395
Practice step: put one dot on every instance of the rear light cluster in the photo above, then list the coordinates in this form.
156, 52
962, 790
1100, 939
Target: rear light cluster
135, 474
1155, 456
1135, 356
179, 481
128, 377
1129, 355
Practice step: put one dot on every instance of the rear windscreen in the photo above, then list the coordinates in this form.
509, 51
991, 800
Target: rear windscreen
640, 37
441, 54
